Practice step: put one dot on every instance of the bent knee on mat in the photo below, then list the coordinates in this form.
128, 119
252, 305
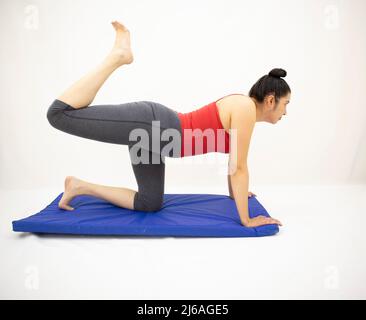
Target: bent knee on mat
148, 204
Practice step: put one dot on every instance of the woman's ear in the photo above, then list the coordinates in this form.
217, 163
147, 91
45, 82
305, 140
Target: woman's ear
270, 102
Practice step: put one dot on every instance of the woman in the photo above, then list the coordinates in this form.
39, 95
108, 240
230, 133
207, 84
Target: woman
233, 115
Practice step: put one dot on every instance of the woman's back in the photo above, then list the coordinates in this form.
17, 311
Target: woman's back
209, 118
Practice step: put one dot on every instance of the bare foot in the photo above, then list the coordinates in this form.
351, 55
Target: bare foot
73, 187
121, 52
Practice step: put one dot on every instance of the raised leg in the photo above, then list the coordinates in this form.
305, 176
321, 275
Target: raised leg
80, 95
83, 91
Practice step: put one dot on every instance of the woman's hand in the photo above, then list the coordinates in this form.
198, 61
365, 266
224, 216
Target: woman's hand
260, 221
250, 194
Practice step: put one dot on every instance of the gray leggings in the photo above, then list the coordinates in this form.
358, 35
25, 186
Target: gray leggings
113, 124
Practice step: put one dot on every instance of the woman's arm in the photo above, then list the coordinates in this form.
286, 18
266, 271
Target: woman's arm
250, 194
240, 182
243, 118
230, 187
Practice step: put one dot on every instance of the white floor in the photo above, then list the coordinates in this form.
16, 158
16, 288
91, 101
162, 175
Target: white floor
319, 253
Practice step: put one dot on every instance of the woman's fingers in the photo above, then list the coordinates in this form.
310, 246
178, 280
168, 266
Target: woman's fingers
269, 220
275, 221
263, 220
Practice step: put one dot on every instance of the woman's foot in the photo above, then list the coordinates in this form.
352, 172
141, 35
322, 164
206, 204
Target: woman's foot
121, 52
73, 187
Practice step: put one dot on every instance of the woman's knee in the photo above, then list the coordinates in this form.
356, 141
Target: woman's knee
55, 111
151, 203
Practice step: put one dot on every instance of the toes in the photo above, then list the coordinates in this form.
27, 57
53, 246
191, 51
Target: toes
119, 25
63, 204
66, 207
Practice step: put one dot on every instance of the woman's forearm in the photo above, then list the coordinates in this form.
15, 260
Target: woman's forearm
230, 187
240, 184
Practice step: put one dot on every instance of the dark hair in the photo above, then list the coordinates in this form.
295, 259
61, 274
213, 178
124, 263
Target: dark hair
272, 83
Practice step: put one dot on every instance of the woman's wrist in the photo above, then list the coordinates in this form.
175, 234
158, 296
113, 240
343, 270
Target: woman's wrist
245, 222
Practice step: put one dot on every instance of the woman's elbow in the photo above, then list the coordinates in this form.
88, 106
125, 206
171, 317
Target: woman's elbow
238, 170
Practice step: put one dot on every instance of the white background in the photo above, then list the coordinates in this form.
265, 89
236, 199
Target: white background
188, 54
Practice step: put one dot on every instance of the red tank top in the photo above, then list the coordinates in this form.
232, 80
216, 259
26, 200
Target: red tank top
210, 135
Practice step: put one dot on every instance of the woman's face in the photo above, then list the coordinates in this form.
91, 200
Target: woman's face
276, 111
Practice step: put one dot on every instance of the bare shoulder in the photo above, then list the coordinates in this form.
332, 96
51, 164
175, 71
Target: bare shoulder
240, 103
236, 105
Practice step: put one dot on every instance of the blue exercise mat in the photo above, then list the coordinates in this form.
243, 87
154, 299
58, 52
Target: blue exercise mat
195, 215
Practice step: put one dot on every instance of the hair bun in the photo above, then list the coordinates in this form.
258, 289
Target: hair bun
278, 73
